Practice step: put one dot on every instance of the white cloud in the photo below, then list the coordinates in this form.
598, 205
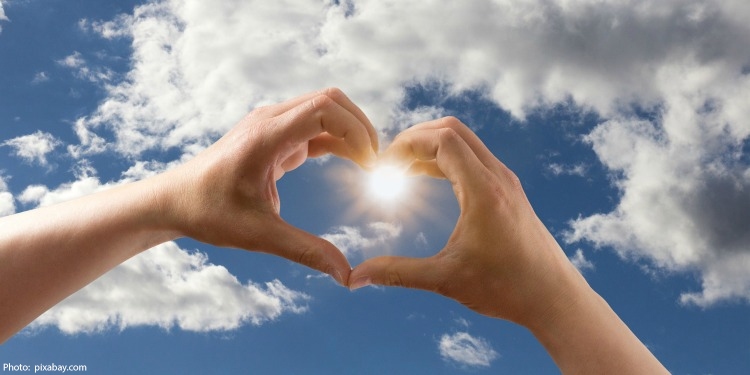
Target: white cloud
198, 66
170, 287
462, 322
165, 286
402, 118
3, 17
684, 181
722, 279
466, 350
81, 69
108, 29
40, 77
89, 142
367, 241
421, 241
145, 169
41, 195
7, 207
580, 262
73, 61
33, 147
558, 169
184, 86
86, 183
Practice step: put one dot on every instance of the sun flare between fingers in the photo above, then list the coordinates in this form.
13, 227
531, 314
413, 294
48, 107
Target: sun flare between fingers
387, 183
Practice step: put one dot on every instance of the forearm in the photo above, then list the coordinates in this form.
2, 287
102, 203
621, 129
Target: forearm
585, 336
49, 253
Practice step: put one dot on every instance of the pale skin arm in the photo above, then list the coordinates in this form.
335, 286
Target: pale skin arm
501, 261
225, 196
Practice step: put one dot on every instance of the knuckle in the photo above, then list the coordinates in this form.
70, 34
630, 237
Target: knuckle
393, 278
333, 92
452, 122
403, 135
308, 257
448, 135
319, 102
260, 112
506, 192
513, 181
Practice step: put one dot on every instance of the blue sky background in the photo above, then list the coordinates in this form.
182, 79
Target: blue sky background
626, 122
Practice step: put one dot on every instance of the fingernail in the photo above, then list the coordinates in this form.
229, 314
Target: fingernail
359, 283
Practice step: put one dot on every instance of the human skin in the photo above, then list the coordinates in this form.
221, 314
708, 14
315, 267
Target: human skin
501, 261
225, 196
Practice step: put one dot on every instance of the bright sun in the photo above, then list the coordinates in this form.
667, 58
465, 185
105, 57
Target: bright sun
386, 183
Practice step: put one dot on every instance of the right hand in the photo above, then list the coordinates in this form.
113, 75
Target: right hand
500, 260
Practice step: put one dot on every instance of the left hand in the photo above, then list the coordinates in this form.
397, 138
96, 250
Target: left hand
227, 195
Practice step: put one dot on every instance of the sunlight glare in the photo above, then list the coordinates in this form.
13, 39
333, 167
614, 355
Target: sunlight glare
386, 183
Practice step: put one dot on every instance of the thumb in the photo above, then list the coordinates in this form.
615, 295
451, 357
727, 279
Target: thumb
285, 240
418, 273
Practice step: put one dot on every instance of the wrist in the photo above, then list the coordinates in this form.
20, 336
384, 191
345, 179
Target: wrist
161, 206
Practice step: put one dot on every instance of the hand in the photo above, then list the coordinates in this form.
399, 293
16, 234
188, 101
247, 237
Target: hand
500, 260
227, 195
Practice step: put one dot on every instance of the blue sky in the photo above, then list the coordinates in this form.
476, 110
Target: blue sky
625, 120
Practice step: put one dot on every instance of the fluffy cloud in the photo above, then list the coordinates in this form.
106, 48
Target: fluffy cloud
170, 287
580, 262
73, 61
2, 15
78, 64
7, 206
466, 350
33, 147
197, 67
40, 77
367, 241
165, 286
402, 118
558, 169
684, 179
86, 183
185, 86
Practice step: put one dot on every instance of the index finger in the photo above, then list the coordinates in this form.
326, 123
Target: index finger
336, 95
478, 147
322, 114
443, 146
450, 153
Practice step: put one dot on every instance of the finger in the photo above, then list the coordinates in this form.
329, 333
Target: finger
323, 114
478, 147
425, 167
277, 109
397, 271
443, 147
328, 144
321, 145
339, 97
452, 156
292, 162
282, 239
336, 95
